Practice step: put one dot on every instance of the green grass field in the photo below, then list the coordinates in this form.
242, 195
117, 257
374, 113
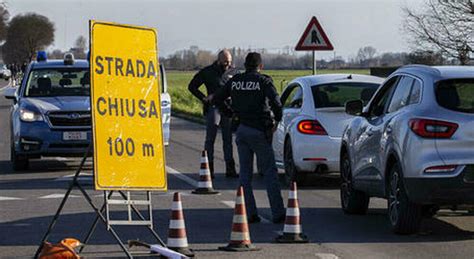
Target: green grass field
185, 103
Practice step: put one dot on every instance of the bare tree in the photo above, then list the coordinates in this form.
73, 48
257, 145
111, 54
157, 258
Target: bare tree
365, 56
79, 49
27, 33
443, 25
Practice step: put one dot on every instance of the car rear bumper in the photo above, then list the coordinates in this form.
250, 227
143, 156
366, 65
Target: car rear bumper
457, 190
311, 152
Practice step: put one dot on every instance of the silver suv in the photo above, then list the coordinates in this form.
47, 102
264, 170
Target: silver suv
413, 144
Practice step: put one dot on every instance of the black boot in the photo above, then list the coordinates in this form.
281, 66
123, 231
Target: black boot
211, 169
230, 169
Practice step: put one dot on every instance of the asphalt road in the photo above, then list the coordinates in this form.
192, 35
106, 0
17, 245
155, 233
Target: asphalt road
28, 200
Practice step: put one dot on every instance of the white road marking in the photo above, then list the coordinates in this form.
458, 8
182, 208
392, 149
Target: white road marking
57, 195
3, 198
182, 176
82, 177
326, 256
231, 204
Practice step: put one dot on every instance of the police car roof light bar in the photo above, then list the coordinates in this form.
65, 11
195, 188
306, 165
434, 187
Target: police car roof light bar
41, 56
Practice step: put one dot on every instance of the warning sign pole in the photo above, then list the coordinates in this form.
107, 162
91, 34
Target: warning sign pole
314, 62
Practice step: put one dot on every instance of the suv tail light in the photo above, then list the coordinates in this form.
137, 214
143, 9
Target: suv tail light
433, 128
311, 127
441, 169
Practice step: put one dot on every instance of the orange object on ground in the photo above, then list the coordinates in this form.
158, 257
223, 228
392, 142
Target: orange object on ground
61, 250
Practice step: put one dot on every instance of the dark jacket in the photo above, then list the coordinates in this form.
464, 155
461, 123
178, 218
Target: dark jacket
254, 98
213, 77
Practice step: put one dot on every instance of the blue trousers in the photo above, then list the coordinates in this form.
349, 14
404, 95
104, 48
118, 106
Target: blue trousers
250, 141
213, 120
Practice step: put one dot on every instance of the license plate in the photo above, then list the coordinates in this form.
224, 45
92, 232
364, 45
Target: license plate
75, 135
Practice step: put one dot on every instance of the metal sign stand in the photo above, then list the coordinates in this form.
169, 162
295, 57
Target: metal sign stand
131, 206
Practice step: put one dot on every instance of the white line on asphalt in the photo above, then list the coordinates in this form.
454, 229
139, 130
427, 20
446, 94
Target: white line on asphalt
326, 256
82, 177
3, 198
231, 204
56, 196
182, 176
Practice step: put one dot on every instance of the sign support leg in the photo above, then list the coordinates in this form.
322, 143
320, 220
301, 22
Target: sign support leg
94, 225
101, 216
63, 202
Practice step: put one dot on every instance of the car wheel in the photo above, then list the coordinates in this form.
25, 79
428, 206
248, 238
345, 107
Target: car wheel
19, 162
352, 201
405, 216
291, 172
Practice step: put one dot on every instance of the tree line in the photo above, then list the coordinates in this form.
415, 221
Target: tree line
441, 32
195, 58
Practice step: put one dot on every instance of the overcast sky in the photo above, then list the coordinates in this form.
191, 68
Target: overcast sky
213, 24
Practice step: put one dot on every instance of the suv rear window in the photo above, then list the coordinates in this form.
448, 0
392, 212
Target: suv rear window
337, 94
456, 94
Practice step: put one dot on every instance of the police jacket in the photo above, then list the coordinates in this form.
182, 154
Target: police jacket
254, 98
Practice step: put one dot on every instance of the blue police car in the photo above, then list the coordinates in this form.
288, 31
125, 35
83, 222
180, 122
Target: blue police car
51, 112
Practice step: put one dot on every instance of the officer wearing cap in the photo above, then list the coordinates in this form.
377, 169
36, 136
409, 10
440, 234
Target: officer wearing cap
254, 100
214, 77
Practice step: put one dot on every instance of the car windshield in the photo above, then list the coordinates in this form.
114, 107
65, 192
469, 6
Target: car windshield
58, 82
337, 94
456, 94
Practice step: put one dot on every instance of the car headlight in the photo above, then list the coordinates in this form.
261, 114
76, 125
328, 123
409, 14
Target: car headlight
29, 116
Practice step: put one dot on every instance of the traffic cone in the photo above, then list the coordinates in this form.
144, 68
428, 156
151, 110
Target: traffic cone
177, 239
205, 181
292, 232
240, 236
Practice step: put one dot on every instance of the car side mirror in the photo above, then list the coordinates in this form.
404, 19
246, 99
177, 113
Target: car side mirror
354, 107
10, 94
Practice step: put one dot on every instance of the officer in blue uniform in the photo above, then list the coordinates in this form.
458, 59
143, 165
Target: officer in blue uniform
257, 108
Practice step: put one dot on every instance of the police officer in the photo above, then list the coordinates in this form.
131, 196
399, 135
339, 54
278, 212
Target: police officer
254, 98
214, 77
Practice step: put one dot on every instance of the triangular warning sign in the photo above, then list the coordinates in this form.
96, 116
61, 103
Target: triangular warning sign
314, 38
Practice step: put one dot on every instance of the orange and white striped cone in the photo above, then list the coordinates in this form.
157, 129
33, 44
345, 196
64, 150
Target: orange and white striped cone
205, 181
240, 236
292, 231
177, 240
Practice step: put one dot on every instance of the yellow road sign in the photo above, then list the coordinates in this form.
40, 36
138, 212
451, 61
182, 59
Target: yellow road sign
126, 108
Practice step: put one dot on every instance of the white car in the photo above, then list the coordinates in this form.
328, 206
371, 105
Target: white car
165, 106
308, 138
5, 73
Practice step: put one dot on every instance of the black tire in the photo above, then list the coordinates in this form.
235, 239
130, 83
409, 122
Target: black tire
352, 201
404, 216
291, 172
429, 211
19, 162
